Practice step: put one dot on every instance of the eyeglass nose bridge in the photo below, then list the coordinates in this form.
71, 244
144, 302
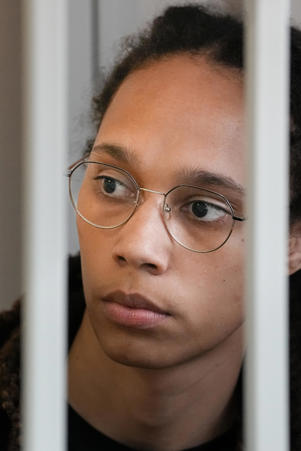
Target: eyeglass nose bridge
166, 207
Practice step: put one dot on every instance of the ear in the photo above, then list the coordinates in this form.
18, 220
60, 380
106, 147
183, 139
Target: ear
294, 257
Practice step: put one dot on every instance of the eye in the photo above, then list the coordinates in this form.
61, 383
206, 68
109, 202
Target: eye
110, 185
205, 211
114, 188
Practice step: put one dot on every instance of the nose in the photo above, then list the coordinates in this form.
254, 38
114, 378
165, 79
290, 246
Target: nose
143, 242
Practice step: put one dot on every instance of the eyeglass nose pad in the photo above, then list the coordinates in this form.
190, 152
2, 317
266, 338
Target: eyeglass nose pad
167, 208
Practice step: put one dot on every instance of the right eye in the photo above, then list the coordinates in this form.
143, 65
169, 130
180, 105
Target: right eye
114, 188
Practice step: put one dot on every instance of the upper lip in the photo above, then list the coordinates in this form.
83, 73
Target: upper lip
132, 300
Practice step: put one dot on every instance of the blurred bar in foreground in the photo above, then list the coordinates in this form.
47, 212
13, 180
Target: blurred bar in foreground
45, 128
267, 287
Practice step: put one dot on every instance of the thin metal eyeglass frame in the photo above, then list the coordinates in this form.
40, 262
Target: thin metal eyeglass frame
165, 207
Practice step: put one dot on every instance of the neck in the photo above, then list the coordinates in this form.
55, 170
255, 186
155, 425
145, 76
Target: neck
154, 409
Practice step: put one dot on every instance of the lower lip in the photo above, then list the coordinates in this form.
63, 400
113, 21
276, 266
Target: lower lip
132, 317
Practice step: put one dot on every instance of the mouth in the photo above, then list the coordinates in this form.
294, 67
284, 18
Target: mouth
132, 310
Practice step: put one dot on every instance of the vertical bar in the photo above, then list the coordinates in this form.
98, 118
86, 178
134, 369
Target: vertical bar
44, 351
267, 309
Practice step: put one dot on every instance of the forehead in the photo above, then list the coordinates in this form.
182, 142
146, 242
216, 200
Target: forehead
180, 112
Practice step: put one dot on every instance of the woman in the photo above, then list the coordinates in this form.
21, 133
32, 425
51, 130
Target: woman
156, 337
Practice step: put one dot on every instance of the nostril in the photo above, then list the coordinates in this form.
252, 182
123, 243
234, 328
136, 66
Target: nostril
151, 268
121, 259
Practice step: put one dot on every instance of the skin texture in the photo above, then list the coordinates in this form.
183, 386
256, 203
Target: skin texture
160, 388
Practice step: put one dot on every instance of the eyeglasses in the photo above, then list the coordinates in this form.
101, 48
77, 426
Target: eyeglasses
106, 197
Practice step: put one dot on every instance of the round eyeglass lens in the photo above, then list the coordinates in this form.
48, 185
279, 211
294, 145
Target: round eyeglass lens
102, 195
198, 219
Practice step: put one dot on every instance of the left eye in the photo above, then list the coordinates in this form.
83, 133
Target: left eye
205, 211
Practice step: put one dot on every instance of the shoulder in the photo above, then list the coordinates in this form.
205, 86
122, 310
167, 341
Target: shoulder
10, 350
9, 374
9, 340
10, 332
9, 321
76, 299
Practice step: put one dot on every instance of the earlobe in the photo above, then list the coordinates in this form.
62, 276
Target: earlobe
294, 261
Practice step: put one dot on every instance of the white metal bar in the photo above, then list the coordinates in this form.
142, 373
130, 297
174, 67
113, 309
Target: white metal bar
267, 310
44, 238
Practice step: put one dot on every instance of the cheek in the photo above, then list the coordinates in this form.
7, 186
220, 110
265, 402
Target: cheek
215, 291
96, 251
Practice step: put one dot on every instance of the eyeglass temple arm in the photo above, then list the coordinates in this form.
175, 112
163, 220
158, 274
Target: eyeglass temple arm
69, 169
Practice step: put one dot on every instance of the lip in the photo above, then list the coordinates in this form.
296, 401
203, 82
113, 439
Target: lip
132, 310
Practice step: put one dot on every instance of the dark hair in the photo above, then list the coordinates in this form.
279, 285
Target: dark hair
193, 30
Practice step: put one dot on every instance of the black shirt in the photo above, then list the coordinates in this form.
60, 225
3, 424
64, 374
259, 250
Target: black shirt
84, 437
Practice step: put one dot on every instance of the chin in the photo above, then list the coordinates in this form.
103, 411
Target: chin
146, 352
139, 349
137, 353
136, 361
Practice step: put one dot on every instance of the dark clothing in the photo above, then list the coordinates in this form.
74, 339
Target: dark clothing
82, 436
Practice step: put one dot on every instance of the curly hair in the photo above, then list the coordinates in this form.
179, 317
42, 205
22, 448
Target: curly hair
193, 30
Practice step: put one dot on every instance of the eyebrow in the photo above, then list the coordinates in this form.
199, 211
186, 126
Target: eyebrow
195, 176
201, 177
120, 153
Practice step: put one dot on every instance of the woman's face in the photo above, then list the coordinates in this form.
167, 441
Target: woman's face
175, 116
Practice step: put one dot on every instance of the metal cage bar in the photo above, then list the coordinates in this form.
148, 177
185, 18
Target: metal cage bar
267, 310
44, 237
